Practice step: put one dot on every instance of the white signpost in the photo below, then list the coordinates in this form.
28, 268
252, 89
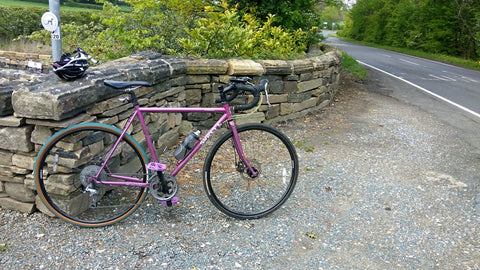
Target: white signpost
51, 23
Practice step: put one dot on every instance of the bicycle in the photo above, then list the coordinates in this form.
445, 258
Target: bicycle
93, 174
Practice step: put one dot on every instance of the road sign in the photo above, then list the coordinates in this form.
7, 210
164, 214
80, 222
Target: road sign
49, 21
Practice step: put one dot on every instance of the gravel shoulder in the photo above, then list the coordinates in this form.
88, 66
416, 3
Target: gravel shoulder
382, 185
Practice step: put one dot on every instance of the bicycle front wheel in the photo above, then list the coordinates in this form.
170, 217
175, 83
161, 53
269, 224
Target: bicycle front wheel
227, 180
70, 182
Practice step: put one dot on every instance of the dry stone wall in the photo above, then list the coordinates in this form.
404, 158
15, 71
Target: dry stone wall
48, 105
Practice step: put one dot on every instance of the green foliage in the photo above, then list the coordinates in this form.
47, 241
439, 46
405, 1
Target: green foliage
289, 14
435, 26
222, 34
351, 67
180, 28
15, 21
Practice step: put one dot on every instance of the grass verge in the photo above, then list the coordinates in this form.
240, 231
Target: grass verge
352, 67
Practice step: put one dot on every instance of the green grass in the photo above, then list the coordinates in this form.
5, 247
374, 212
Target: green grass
352, 67
25, 3
4, 247
16, 3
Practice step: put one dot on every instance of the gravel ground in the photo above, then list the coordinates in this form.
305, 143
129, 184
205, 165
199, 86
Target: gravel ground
383, 185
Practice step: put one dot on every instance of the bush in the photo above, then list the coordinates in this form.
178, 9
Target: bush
180, 28
222, 34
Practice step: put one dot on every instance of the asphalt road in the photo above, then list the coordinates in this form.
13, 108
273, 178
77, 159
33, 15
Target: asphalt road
449, 92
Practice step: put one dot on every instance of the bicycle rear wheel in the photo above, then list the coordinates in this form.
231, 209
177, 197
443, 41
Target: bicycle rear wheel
72, 157
226, 179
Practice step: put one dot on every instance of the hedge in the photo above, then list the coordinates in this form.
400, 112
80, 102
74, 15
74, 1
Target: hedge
16, 21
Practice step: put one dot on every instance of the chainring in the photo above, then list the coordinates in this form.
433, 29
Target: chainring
156, 188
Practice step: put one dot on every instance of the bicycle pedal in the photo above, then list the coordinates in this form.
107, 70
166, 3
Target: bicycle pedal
171, 202
156, 166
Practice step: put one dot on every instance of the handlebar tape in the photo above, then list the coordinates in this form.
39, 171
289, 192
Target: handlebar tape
236, 87
256, 90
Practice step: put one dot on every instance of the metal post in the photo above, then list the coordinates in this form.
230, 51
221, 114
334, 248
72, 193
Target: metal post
54, 6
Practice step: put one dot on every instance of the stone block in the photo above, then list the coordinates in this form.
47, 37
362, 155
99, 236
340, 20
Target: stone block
24, 161
198, 79
208, 100
16, 139
162, 95
256, 117
272, 111
286, 108
206, 66
29, 182
238, 67
19, 192
116, 111
6, 158
81, 118
9, 203
302, 66
275, 99
320, 91
168, 139
178, 81
309, 103
6, 100
12, 121
105, 105
195, 117
309, 85
193, 96
276, 86
276, 67
108, 121
306, 76
42, 208
41, 134
299, 97
291, 87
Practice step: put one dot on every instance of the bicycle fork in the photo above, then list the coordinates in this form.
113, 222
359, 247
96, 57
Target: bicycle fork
252, 172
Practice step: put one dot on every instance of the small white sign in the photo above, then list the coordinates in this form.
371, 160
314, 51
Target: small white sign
49, 21
56, 34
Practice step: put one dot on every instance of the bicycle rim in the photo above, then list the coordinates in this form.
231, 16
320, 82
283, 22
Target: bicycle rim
226, 179
71, 157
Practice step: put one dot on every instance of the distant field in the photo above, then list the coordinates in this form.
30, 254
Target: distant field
16, 3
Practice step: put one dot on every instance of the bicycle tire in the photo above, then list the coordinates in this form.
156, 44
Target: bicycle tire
238, 195
74, 154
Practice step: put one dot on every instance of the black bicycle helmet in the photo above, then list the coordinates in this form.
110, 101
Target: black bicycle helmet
72, 67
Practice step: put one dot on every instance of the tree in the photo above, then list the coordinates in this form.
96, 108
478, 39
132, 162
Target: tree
290, 14
331, 14
438, 26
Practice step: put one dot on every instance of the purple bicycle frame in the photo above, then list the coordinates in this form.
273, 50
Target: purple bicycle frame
138, 113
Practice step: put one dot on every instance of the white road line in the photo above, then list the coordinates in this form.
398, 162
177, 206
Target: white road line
424, 90
409, 62
443, 78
